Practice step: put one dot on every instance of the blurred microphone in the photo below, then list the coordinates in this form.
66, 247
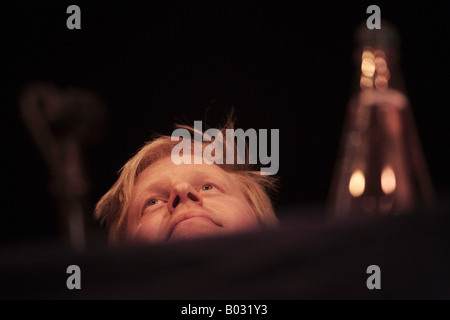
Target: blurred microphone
61, 122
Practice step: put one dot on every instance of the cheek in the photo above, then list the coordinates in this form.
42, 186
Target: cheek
236, 214
150, 229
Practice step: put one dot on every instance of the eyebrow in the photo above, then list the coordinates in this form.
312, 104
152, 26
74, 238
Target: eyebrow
159, 184
153, 187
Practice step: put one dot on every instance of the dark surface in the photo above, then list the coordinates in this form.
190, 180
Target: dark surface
304, 259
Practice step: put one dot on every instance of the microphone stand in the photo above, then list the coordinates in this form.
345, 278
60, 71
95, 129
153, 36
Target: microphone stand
58, 122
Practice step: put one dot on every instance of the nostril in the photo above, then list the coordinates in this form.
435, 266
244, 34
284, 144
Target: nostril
193, 197
176, 201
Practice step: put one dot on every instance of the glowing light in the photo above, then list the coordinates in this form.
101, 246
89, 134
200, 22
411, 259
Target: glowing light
368, 54
388, 182
357, 183
368, 67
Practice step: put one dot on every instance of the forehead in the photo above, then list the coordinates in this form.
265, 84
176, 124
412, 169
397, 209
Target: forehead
165, 169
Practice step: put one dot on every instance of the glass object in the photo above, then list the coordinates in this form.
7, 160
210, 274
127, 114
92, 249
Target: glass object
381, 168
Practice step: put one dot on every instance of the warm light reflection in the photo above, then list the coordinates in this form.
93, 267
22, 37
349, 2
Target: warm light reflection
388, 182
382, 71
385, 204
379, 53
355, 138
357, 183
366, 82
381, 83
381, 65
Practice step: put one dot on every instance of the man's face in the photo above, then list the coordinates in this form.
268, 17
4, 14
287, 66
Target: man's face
170, 202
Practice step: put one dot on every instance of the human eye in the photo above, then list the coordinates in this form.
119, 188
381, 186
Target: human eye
151, 205
152, 202
212, 187
208, 187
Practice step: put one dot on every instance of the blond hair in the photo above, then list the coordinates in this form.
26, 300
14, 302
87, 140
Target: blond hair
113, 206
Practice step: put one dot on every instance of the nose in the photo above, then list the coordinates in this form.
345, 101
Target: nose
183, 192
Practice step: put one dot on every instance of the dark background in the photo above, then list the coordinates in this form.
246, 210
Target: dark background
285, 65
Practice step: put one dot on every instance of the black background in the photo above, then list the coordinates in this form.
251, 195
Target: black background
285, 65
